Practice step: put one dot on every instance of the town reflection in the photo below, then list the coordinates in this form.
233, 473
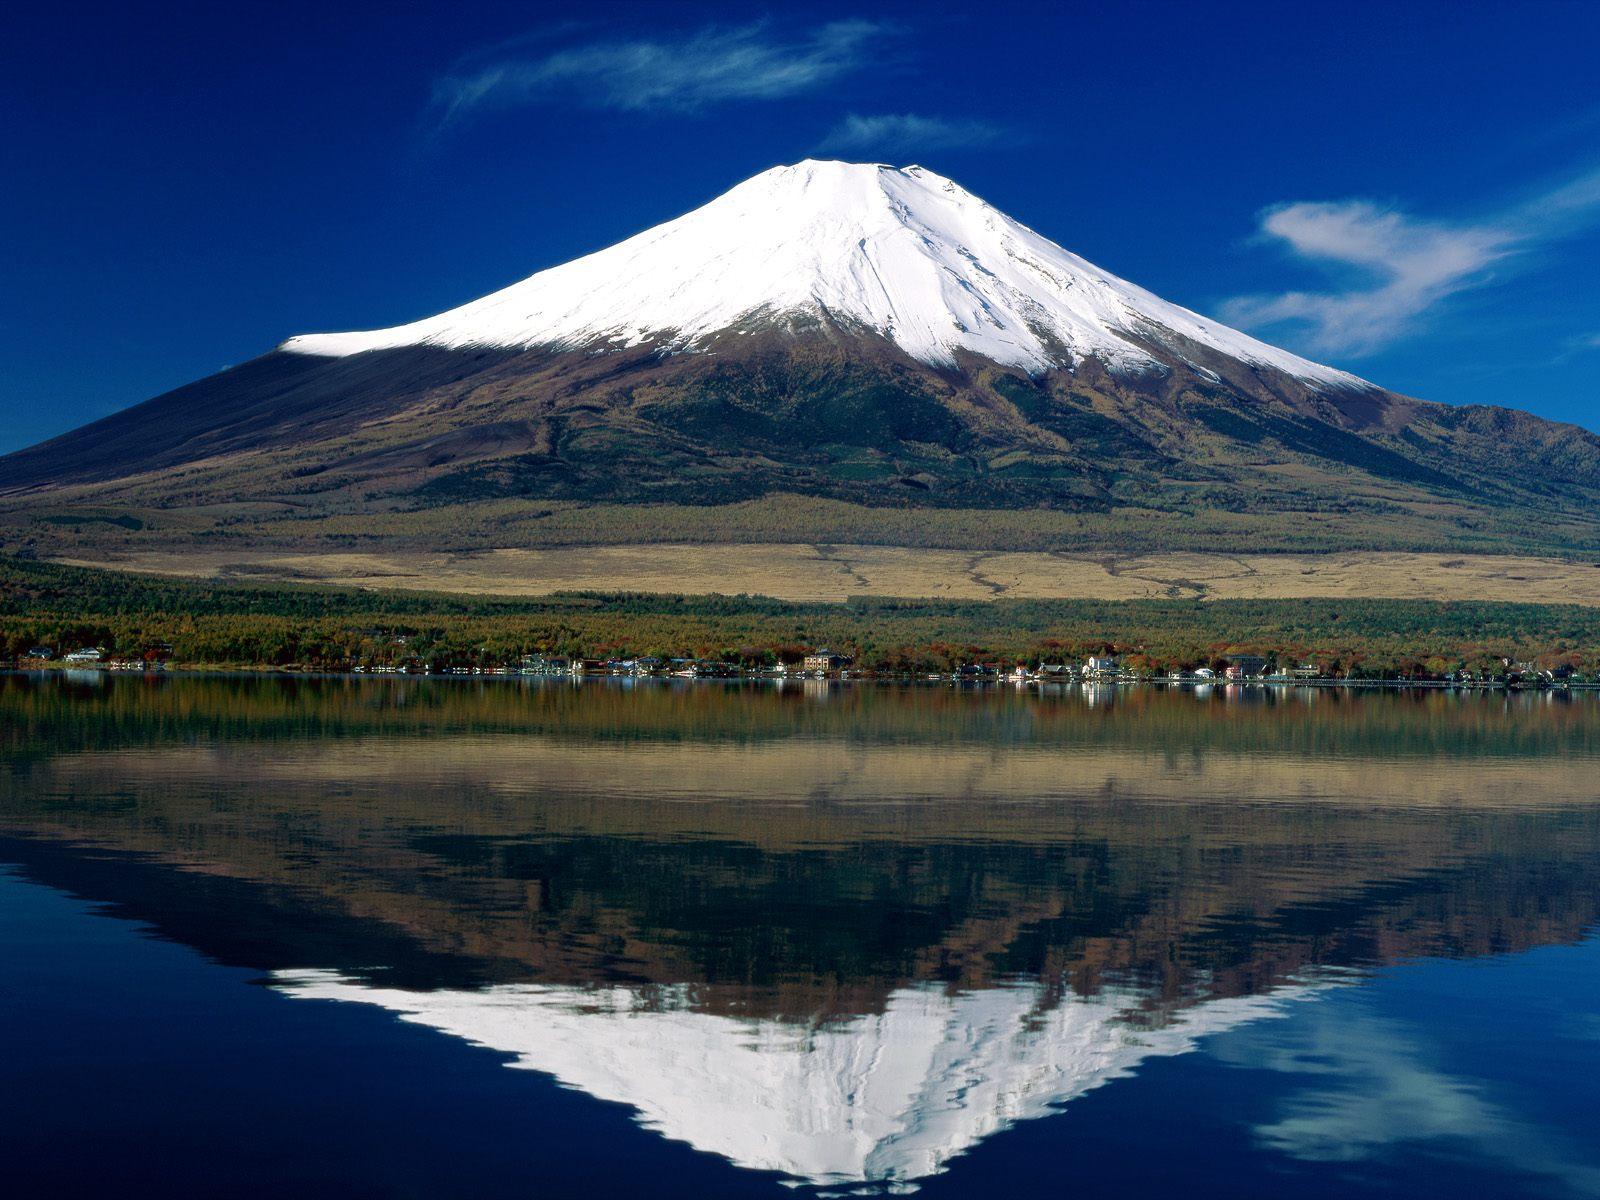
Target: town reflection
842, 936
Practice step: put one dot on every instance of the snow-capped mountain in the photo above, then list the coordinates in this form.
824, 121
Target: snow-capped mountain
871, 337
905, 253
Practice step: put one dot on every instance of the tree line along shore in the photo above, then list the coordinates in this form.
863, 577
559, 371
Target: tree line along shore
51, 611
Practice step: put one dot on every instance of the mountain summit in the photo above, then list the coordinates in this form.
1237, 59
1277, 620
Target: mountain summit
902, 252
830, 353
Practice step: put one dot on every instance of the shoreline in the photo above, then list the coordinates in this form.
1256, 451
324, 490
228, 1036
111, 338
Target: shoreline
83, 672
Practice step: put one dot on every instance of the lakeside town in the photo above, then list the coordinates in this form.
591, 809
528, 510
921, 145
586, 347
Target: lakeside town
826, 664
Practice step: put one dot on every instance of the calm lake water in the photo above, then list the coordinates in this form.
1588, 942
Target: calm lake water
416, 938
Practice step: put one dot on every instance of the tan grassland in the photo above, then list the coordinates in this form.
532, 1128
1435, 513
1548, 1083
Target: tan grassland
825, 572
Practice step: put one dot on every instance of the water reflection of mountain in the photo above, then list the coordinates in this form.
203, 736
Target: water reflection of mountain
887, 1097
903, 931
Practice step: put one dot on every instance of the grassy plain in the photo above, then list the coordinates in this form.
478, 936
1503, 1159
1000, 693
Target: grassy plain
825, 572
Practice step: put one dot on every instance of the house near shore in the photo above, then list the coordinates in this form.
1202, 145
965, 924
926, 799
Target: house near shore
647, 665
1245, 666
702, 668
546, 664
1101, 666
1042, 673
825, 662
87, 655
976, 672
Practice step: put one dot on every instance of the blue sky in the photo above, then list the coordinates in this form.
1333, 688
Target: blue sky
1411, 191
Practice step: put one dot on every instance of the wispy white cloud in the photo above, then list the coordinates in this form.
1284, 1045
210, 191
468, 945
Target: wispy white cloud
1394, 268
909, 133
686, 73
1583, 344
1407, 267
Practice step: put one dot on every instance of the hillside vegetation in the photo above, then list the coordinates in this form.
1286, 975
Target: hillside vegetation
241, 624
824, 436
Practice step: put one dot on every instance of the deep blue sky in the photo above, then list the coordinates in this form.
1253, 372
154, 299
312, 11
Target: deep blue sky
1411, 191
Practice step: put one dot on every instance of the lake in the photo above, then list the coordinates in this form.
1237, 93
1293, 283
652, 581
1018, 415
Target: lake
422, 938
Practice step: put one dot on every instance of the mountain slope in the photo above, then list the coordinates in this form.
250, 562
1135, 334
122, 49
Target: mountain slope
868, 336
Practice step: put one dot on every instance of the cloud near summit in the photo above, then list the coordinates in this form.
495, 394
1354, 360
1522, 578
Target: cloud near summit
1392, 268
1409, 265
908, 133
683, 73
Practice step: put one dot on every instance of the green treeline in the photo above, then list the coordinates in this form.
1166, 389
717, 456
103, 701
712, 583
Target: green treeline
219, 623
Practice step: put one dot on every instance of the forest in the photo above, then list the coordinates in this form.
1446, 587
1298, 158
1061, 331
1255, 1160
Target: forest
63, 608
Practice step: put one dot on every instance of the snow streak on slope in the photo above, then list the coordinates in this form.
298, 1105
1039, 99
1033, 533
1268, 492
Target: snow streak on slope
903, 252
887, 1098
